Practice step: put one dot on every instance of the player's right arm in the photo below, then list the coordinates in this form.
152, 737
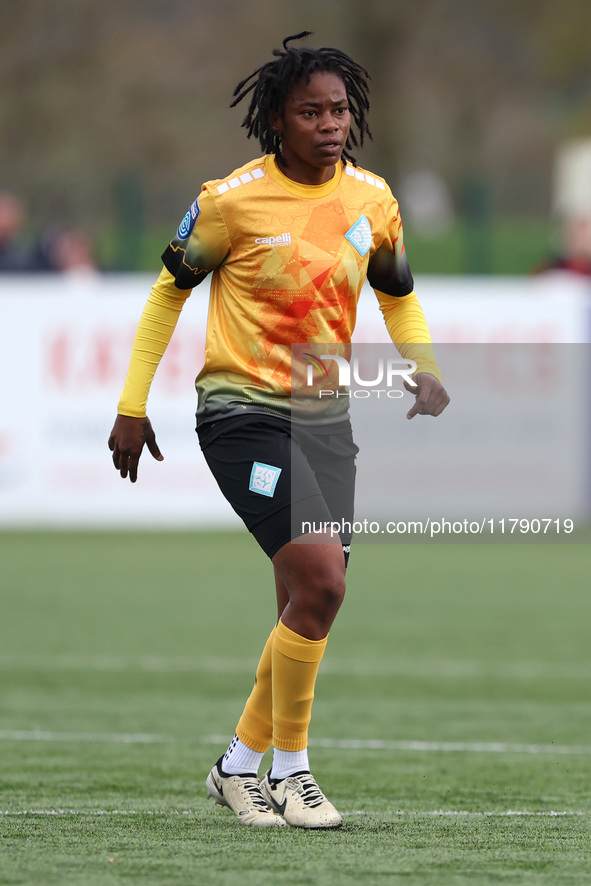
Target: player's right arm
201, 245
132, 429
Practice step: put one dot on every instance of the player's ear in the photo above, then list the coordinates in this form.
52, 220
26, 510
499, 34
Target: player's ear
277, 123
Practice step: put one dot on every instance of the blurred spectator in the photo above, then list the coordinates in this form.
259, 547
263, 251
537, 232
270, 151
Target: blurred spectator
575, 254
74, 252
13, 254
67, 250
571, 207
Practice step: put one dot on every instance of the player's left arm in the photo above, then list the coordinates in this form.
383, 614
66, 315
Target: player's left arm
389, 275
408, 330
431, 398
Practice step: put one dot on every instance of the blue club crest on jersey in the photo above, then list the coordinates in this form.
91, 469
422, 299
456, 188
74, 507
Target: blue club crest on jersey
188, 222
360, 235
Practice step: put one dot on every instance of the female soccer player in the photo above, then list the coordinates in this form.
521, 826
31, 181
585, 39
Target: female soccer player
290, 238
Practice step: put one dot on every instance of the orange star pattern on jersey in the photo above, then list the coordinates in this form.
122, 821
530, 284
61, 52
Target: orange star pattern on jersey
289, 262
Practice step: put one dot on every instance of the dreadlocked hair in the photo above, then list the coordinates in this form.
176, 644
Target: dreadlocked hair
272, 83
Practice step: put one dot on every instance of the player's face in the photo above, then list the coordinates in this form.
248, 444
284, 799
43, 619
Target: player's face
314, 127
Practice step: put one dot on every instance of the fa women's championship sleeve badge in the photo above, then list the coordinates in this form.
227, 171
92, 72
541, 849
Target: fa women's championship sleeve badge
188, 222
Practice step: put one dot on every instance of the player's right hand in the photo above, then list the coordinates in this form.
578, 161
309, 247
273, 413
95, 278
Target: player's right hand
126, 442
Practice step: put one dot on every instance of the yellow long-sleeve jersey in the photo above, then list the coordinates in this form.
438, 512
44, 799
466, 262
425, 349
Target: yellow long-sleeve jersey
288, 261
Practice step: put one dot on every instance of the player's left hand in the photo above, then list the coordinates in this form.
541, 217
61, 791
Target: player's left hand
431, 396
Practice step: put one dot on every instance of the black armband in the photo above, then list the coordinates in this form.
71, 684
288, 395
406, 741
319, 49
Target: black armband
185, 277
390, 273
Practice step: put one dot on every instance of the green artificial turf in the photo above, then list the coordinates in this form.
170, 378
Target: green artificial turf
452, 724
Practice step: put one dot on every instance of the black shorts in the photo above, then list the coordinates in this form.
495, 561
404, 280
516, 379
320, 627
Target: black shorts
282, 479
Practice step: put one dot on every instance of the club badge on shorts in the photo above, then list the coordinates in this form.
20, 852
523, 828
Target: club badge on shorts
263, 478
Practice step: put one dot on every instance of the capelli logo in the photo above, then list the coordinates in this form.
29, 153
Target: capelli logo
280, 240
384, 372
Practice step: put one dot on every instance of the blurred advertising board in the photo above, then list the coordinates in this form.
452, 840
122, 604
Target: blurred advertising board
64, 349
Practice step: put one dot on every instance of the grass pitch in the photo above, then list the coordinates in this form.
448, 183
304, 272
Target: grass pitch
452, 724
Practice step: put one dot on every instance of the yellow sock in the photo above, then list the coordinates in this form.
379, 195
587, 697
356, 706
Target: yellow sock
295, 666
255, 727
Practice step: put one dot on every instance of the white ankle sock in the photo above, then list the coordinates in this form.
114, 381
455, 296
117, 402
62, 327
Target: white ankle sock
287, 762
240, 759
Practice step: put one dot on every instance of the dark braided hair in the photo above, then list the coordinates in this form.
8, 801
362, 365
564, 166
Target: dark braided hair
272, 83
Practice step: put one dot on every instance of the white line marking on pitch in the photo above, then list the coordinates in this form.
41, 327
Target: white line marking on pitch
337, 666
492, 747
506, 813
488, 747
552, 813
99, 737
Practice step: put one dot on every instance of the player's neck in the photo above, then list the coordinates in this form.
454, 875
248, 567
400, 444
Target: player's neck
305, 174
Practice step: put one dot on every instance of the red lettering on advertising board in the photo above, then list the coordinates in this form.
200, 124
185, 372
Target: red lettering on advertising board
76, 361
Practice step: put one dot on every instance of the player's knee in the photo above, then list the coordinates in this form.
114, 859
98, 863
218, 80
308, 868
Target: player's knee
328, 591
314, 579
334, 596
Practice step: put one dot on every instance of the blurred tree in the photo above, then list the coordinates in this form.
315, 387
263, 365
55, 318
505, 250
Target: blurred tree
468, 89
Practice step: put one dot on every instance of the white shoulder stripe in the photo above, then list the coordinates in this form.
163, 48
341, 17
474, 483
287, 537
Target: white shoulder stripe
365, 177
244, 179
